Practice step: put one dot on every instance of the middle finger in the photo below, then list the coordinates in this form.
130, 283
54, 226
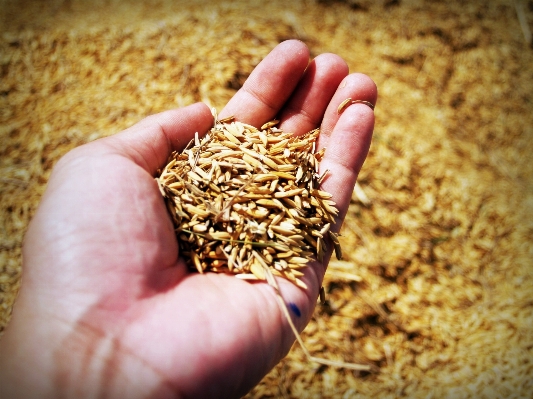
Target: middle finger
305, 109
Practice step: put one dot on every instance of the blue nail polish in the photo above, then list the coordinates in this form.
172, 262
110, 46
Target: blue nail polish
295, 309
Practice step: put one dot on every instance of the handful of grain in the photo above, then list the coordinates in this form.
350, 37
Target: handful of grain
245, 199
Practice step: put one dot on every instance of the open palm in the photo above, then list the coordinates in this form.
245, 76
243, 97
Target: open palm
112, 308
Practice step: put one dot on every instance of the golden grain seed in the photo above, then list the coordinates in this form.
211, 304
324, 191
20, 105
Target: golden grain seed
320, 249
299, 204
194, 176
186, 197
252, 161
342, 106
218, 264
270, 163
176, 185
317, 233
257, 270
315, 202
196, 261
264, 139
273, 185
258, 190
277, 218
269, 203
275, 152
256, 196
289, 241
299, 174
336, 244
301, 284
278, 266
211, 254
231, 258
290, 193
270, 124
280, 144
298, 260
199, 172
325, 229
321, 178
200, 228
282, 230
191, 209
321, 194
297, 237
262, 177
287, 273
296, 273
330, 207
322, 295
251, 153
218, 235
287, 168
227, 119
290, 203
229, 135
287, 254
246, 276
234, 129
258, 213
298, 144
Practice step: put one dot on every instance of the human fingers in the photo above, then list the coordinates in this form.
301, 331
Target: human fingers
356, 86
269, 85
346, 137
305, 109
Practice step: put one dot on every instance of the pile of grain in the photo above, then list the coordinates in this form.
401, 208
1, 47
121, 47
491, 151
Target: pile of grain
244, 200
435, 287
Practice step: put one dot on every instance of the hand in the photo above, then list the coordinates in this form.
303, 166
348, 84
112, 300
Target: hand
107, 307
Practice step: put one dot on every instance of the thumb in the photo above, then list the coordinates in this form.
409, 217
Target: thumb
150, 142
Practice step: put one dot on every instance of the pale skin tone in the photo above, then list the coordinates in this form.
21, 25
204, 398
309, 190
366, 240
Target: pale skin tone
107, 308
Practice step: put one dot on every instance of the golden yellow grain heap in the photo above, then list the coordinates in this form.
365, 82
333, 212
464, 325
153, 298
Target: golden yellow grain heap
243, 199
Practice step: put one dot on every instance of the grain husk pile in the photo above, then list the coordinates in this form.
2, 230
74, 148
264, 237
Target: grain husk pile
436, 285
244, 200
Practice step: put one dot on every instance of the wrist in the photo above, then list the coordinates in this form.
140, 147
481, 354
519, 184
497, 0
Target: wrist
51, 359
25, 357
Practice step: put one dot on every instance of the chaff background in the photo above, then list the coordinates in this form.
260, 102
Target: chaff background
436, 288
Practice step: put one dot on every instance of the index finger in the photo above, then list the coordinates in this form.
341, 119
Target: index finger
270, 84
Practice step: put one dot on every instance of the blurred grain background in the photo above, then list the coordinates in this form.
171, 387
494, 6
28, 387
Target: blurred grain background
436, 287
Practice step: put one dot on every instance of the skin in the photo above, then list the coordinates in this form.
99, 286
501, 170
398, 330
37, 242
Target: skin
107, 308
